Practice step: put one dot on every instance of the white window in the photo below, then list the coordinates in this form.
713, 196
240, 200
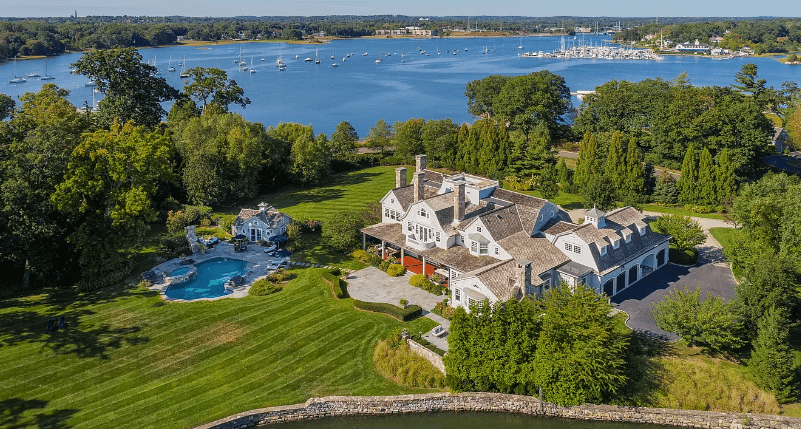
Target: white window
474, 247
568, 247
478, 229
457, 294
392, 201
497, 251
577, 249
642, 230
386, 212
438, 236
616, 243
409, 226
482, 250
461, 239
423, 213
603, 249
471, 302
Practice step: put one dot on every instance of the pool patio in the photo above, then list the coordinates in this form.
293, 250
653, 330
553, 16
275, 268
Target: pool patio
257, 267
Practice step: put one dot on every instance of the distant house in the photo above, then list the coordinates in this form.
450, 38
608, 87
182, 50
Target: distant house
495, 244
260, 224
694, 47
715, 39
780, 139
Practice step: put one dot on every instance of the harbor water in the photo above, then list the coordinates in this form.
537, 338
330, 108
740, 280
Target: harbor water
394, 79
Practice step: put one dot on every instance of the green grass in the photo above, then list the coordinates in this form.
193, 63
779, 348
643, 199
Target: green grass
724, 235
316, 252
130, 360
680, 211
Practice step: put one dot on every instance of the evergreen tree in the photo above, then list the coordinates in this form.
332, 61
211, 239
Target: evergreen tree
580, 355
547, 182
706, 188
771, 361
599, 193
616, 164
531, 156
724, 175
588, 165
634, 183
666, 191
562, 173
687, 183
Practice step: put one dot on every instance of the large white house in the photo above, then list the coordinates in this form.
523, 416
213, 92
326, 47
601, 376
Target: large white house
496, 244
261, 224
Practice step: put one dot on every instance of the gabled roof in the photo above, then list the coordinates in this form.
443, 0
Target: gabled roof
554, 226
443, 208
271, 217
405, 195
539, 251
626, 219
519, 199
502, 223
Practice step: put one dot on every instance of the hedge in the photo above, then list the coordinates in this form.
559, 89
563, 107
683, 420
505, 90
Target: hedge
403, 314
337, 284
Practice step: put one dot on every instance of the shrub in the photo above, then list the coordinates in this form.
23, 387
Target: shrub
448, 312
403, 314
384, 265
280, 275
404, 302
263, 287
226, 222
396, 270
172, 247
418, 280
177, 221
144, 284
362, 256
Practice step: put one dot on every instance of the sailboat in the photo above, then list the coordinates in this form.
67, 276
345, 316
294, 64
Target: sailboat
316, 58
183, 74
280, 61
16, 79
252, 70
521, 45
46, 76
171, 68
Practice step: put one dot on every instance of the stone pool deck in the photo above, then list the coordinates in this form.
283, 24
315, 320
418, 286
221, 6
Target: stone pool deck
257, 267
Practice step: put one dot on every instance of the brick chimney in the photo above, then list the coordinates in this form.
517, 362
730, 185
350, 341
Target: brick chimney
420, 162
400, 177
458, 203
523, 268
419, 190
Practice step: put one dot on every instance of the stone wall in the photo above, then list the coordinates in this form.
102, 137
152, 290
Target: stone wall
430, 356
316, 408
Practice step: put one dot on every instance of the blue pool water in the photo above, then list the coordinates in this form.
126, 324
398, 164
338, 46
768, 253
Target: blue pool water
179, 272
209, 281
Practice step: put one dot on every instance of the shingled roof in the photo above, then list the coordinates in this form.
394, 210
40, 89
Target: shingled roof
405, 195
539, 251
618, 222
270, 216
502, 223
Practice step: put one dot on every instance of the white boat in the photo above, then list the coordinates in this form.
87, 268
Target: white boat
16, 79
90, 83
46, 76
33, 74
308, 59
280, 61
334, 65
297, 56
252, 70
378, 61
316, 58
183, 74
521, 45
364, 54
171, 69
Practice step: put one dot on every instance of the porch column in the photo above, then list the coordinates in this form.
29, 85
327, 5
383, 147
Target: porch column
383, 247
424, 264
364, 241
402, 252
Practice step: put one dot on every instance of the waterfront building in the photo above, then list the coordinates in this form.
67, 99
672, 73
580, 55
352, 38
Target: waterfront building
495, 244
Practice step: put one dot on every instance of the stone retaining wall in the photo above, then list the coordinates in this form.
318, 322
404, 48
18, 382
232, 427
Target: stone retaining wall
316, 408
430, 356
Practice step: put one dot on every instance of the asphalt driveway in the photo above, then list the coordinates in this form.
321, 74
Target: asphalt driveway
637, 301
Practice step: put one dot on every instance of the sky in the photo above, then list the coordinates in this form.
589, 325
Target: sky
422, 8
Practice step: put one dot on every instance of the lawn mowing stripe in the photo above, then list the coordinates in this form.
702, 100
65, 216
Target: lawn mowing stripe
238, 355
191, 339
235, 384
235, 377
92, 365
99, 391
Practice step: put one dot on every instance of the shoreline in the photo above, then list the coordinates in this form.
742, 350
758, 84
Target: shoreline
344, 406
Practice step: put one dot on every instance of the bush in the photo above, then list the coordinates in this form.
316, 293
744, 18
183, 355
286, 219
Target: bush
404, 302
362, 256
403, 314
280, 275
172, 247
263, 287
384, 265
683, 257
396, 270
226, 222
443, 309
418, 280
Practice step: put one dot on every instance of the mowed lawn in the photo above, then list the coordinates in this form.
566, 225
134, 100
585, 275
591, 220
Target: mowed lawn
130, 359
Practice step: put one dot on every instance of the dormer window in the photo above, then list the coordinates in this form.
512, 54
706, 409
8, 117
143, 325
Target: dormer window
603, 249
615, 243
642, 229
627, 237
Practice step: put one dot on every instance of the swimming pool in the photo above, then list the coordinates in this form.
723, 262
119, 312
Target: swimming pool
209, 281
180, 272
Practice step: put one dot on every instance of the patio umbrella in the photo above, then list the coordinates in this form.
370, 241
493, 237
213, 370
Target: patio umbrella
279, 238
240, 237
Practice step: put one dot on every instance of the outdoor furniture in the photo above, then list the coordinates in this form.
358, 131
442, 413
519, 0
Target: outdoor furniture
51, 325
62, 322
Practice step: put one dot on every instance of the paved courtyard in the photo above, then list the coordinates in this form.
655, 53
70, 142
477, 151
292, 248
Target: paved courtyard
373, 285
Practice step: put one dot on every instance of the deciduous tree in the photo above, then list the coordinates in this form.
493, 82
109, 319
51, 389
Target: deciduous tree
344, 139
684, 232
211, 85
710, 323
